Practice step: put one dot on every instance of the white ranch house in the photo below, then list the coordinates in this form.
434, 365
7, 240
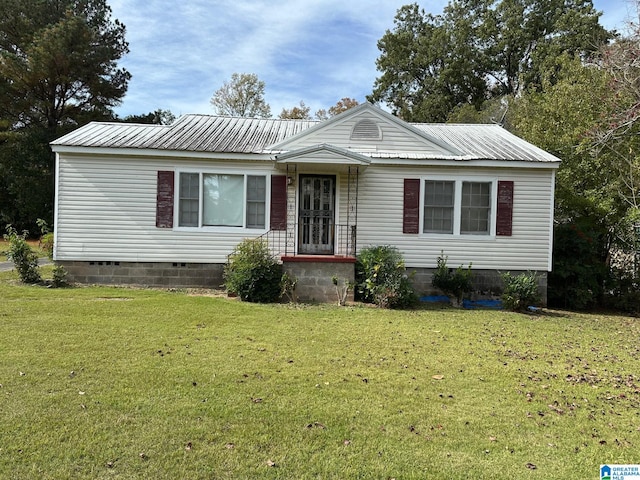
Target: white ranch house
165, 205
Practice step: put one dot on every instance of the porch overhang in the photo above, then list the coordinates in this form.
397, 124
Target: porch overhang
323, 156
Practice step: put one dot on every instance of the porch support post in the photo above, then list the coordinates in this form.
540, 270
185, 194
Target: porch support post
290, 240
352, 209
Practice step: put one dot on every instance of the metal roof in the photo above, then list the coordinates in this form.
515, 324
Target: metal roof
193, 133
215, 134
486, 142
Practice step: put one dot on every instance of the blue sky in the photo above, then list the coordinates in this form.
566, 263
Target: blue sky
317, 51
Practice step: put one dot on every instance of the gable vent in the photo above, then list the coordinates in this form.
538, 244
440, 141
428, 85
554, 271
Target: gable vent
366, 130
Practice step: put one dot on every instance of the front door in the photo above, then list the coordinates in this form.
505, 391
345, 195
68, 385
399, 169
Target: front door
316, 221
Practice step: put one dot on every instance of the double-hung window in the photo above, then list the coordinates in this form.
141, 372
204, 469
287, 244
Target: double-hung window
439, 203
189, 199
256, 206
222, 200
475, 209
457, 207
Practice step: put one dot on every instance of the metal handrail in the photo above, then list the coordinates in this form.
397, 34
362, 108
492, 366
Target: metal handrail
284, 242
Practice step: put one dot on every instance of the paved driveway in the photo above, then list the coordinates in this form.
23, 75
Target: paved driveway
6, 266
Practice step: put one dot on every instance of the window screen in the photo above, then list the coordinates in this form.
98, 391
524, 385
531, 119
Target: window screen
256, 201
439, 197
476, 207
189, 199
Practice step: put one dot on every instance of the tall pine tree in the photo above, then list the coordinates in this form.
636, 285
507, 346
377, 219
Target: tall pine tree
58, 70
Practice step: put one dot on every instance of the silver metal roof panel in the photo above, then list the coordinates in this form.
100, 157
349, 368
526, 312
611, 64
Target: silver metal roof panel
215, 134
196, 133
487, 142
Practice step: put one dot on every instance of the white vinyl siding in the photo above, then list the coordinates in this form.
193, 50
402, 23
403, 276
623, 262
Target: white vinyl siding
106, 210
392, 138
380, 214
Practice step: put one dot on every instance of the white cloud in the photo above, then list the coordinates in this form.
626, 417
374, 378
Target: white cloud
317, 50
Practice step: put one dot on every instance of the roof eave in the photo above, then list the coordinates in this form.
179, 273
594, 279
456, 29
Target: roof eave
155, 153
470, 162
349, 157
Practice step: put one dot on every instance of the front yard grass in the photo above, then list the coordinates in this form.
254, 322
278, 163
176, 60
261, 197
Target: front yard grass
120, 383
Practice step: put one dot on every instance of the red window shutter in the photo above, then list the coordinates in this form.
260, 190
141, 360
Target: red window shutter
504, 216
411, 212
164, 200
278, 202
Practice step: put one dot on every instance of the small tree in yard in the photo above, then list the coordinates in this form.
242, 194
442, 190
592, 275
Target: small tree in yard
342, 291
520, 291
381, 278
252, 273
46, 243
22, 256
454, 283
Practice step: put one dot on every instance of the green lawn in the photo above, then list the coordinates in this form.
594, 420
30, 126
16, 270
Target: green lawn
124, 383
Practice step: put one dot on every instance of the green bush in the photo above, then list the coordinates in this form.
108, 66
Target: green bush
381, 278
46, 240
454, 283
623, 290
520, 291
46, 243
23, 257
59, 277
579, 265
288, 285
252, 273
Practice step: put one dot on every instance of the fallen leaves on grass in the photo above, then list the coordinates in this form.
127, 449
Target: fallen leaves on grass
556, 409
438, 377
316, 425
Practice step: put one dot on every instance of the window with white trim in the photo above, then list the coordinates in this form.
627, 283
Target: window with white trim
256, 206
439, 203
189, 199
457, 207
475, 209
222, 200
